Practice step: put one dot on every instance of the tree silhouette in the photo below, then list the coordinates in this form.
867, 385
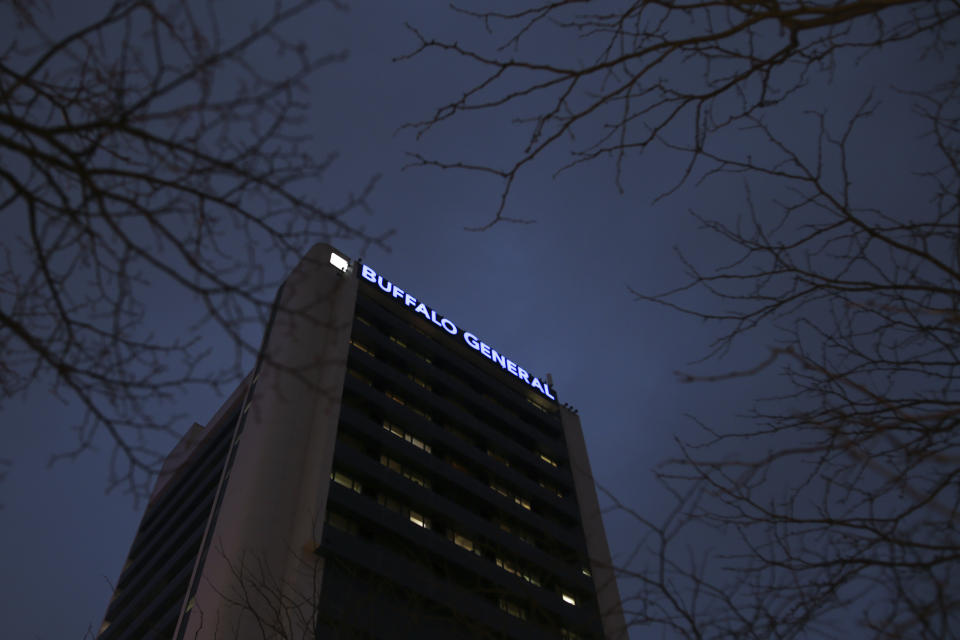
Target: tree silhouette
156, 151
835, 507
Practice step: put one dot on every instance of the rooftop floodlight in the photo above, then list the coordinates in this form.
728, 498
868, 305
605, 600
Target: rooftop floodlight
339, 262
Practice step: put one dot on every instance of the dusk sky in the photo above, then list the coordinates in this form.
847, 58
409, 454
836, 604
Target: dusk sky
553, 295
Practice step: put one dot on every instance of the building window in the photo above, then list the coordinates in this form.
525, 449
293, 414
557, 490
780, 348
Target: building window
550, 461
350, 441
499, 489
566, 634
405, 471
359, 345
513, 608
463, 541
359, 376
517, 570
456, 464
395, 397
552, 489
398, 341
537, 405
518, 532
523, 502
419, 519
568, 598
412, 439
342, 522
420, 381
393, 505
346, 481
398, 507
586, 572
423, 414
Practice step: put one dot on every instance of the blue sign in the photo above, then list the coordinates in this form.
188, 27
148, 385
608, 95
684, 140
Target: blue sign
475, 343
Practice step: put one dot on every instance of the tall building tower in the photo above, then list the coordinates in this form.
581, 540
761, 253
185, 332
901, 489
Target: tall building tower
383, 473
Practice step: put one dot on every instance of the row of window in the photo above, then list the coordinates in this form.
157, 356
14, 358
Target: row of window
402, 343
489, 398
455, 575
542, 457
454, 463
458, 538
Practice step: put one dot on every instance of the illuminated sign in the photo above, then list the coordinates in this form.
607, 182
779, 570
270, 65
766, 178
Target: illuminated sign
475, 343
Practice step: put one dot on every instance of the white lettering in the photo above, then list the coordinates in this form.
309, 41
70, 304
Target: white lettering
449, 327
422, 309
471, 340
370, 275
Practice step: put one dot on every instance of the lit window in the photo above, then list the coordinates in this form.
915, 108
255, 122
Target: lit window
391, 464
566, 634
517, 570
412, 439
339, 262
462, 541
552, 489
499, 489
395, 397
417, 442
392, 428
346, 481
419, 519
548, 460
568, 598
364, 321
398, 341
421, 382
523, 502
362, 347
406, 472
586, 572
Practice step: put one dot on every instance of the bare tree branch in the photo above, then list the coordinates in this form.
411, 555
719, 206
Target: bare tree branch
151, 151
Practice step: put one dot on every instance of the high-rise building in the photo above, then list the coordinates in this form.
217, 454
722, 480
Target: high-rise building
383, 473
